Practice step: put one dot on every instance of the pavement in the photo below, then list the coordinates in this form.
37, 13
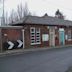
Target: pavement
38, 60
21, 51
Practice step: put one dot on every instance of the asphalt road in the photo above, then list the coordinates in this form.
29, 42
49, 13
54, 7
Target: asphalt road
57, 60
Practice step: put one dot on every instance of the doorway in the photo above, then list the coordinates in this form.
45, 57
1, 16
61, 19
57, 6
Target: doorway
52, 36
61, 37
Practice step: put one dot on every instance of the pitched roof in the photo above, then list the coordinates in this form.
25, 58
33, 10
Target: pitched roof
11, 27
45, 20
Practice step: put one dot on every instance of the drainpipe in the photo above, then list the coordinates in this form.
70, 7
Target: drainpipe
23, 38
23, 30
1, 39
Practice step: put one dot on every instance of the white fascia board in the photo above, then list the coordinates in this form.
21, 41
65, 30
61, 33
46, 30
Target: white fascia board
61, 29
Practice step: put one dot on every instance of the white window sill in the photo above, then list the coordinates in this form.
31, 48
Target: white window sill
69, 39
35, 43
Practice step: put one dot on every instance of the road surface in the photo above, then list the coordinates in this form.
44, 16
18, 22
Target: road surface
57, 60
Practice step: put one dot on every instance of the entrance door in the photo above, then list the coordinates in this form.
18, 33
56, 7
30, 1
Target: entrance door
52, 37
61, 37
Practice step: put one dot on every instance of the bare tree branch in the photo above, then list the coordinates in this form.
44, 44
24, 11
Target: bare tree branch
20, 13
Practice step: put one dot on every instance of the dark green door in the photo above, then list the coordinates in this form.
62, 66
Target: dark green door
61, 38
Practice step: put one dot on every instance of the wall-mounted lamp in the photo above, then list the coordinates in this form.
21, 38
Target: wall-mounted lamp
5, 34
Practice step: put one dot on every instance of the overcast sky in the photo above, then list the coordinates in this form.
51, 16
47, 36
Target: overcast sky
40, 7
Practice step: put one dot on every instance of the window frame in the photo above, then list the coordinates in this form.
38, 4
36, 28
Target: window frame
69, 35
36, 36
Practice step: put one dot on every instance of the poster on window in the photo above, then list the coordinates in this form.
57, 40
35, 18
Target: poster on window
66, 37
45, 37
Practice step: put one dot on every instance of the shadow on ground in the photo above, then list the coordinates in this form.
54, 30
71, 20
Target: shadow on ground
69, 69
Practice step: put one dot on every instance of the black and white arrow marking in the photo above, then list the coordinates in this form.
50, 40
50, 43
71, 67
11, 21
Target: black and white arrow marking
20, 43
14, 44
11, 44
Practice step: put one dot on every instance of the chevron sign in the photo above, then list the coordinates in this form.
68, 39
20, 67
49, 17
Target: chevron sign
15, 44
11, 44
20, 43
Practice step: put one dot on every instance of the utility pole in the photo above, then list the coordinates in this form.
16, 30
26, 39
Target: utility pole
23, 38
3, 18
1, 40
2, 24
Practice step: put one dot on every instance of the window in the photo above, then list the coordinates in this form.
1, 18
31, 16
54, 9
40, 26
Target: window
32, 36
69, 34
35, 35
45, 37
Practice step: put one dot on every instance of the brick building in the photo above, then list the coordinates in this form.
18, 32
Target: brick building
46, 31
9, 37
36, 32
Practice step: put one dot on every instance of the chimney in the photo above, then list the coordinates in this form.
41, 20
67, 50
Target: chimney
45, 15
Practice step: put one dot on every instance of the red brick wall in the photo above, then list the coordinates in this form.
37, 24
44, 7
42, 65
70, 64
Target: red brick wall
57, 37
68, 42
12, 34
43, 30
15, 34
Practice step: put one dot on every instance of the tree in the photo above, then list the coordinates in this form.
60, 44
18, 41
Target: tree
3, 18
12, 16
19, 14
23, 11
26, 11
6, 18
20, 11
58, 14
